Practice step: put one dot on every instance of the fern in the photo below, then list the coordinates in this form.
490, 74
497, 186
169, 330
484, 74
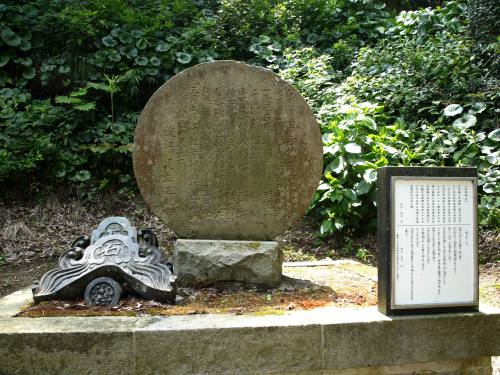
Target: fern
61, 99
85, 107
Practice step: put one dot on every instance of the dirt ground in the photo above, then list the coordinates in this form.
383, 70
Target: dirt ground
34, 232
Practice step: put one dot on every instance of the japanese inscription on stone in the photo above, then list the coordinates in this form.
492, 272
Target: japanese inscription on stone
434, 260
225, 150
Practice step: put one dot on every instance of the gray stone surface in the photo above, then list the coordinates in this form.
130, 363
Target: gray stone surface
63, 353
211, 261
468, 366
423, 339
341, 341
225, 150
243, 351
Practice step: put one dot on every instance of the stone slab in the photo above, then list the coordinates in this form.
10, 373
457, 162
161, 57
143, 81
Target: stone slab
469, 366
327, 340
246, 350
208, 261
225, 150
430, 338
63, 353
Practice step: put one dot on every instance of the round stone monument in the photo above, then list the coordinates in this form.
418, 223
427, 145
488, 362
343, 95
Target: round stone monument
227, 151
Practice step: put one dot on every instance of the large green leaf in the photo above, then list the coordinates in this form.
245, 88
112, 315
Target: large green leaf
6, 92
326, 226
370, 175
64, 69
353, 148
137, 33
453, 110
129, 51
85, 106
391, 150
477, 108
337, 165
495, 135
114, 56
155, 61
10, 37
369, 122
161, 46
29, 73
25, 45
183, 58
465, 121
152, 71
109, 41
312, 38
363, 187
339, 223
493, 158
264, 39
141, 43
3, 60
81, 176
332, 149
141, 60
350, 194
489, 188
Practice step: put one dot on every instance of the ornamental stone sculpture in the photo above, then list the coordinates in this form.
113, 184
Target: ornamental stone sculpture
114, 259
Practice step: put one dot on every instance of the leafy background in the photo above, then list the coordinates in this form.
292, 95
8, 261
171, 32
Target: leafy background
388, 86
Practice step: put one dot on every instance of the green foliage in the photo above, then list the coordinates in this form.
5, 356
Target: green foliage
363, 255
75, 76
358, 139
75, 73
408, 89
484, 20
417, 97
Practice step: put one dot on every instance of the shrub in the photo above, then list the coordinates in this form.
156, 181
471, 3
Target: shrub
416, 98
415, 89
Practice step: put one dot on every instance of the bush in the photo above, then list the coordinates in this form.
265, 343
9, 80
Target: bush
414, 89
415, 98
75, 77
76, 74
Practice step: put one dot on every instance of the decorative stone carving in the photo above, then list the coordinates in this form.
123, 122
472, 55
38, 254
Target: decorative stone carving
116, 256
225, 150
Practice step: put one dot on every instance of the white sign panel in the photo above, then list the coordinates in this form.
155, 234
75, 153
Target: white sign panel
434, 256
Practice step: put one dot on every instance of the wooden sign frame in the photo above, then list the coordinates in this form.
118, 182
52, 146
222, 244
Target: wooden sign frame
386, 238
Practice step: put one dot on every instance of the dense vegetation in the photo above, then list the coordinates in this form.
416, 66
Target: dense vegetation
409, 88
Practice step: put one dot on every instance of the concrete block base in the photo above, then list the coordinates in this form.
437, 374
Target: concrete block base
327, 341
209, 261
469, 366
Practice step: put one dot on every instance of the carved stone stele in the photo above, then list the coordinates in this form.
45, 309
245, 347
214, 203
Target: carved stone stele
225, 150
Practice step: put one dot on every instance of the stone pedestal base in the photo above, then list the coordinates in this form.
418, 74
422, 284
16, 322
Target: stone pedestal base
208, 261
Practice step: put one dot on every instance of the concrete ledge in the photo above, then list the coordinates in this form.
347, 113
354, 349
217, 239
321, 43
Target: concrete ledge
320, 341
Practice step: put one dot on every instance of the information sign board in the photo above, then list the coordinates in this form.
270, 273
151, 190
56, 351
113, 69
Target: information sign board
427, 239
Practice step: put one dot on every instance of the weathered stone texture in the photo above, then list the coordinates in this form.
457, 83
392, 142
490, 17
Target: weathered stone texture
195, 352
328, 341
211, 261
62, 353
469, 366
225, 150
423, 339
